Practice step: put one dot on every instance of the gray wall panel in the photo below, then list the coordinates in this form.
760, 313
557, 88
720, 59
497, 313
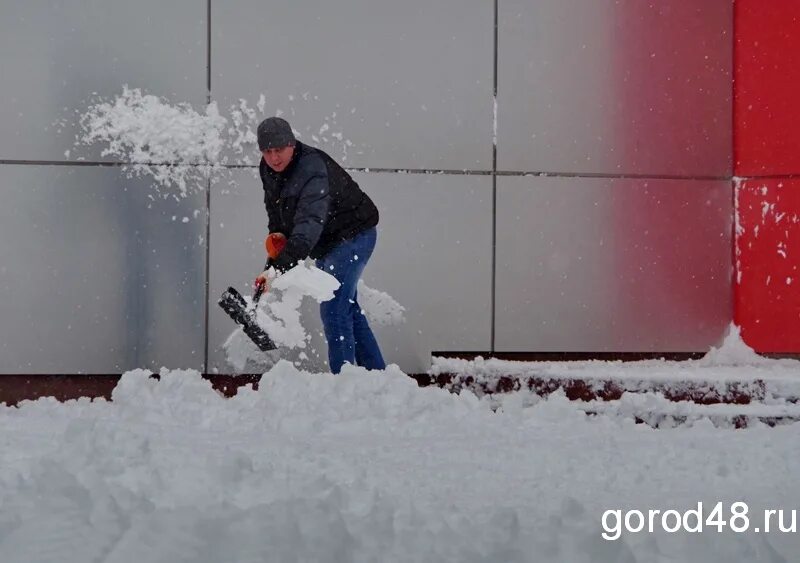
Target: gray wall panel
56, 55
589, 264
98, 274
238, 228
433, 256
409, 84
615, 86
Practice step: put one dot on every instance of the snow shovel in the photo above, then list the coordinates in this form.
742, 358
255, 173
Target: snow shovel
235, 306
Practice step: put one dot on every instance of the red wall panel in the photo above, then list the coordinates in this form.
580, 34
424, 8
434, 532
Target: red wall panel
767, 87
767, 297
766, 144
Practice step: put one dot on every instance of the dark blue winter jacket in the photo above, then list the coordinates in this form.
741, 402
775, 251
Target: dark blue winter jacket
315, 203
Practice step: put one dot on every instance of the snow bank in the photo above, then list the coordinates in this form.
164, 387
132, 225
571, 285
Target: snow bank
366, 466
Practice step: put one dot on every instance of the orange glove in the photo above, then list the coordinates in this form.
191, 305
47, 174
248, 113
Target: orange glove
274, 244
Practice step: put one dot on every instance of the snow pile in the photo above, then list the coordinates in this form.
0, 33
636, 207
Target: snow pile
733, 352
282, 318
278, 313
149, 133
366, 466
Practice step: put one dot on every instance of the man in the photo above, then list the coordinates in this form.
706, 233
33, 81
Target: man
325, 215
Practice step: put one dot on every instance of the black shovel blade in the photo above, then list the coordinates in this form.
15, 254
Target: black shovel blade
235, 306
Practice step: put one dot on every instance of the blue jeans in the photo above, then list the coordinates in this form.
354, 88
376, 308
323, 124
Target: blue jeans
346, 328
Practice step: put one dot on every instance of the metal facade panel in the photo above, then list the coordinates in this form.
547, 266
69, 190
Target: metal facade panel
98, 274
615, 86
768, 228
376, 84
587, 264
237, 256
433, 256
767, 85
56, 56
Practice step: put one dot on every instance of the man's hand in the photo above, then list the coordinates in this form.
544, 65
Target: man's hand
274, 244
262, 282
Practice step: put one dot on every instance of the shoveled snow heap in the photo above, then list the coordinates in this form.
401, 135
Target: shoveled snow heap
278, 313
366, 466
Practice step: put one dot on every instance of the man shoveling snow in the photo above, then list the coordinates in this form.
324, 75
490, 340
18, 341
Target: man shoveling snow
316, 210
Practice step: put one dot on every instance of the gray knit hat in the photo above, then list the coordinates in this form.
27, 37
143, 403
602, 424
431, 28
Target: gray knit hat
275, 133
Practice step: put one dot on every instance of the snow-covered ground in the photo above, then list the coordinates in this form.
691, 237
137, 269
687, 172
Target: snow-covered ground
370, 467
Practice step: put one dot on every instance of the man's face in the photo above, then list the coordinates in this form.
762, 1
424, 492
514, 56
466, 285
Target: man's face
278, 159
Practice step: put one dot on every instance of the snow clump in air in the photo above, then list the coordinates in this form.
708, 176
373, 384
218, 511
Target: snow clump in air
174, 144
180, 147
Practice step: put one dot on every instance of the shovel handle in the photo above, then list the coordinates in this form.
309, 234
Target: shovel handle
258, 293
